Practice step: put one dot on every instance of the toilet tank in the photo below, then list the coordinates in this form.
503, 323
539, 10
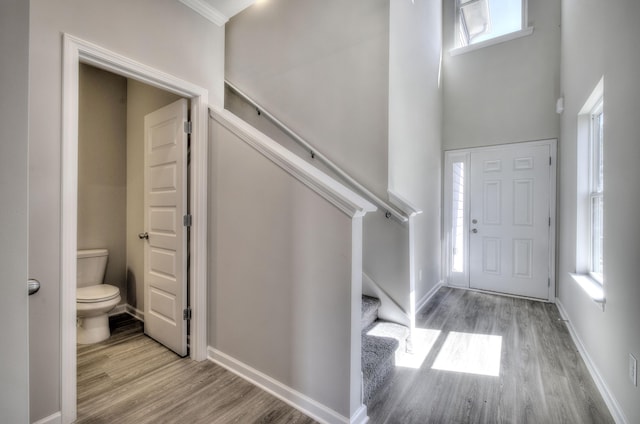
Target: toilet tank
91, 266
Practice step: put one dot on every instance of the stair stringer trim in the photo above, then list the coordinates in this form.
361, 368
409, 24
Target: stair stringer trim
288, 395
390, 310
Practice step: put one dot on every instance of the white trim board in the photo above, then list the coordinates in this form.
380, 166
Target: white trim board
422, 302
76, 51
609, 399
207, 11
297, 400
55, 418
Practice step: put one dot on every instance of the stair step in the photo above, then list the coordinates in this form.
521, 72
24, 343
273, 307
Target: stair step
370, 307
378, 360
380, 341
390, 330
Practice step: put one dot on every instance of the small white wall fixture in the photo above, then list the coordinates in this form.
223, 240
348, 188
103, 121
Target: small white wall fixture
76, 51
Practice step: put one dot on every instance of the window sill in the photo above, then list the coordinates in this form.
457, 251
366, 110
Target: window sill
507, 37
591, 287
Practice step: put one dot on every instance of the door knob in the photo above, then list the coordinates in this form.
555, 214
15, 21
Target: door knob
474, 231
143, 236
33, 285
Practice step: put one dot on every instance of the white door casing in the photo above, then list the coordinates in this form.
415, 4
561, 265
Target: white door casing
165, 205
510, 219
76, 50
509, 191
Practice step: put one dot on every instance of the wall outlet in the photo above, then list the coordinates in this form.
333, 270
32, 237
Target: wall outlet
633, 370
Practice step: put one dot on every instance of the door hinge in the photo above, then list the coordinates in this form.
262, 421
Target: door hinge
186, 220
188, 127
186, 314
549, 282
549, 160
549, 221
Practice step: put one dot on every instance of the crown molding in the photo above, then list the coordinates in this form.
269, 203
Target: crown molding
207, 11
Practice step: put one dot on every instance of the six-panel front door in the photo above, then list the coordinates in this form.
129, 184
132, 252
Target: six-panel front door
509, 220
165, 204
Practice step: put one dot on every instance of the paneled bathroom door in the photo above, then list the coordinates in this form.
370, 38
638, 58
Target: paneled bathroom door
165, 206
510, 219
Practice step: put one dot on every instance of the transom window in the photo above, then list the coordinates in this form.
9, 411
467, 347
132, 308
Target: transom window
481, 20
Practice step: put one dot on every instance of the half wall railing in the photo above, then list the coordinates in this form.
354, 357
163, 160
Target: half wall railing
390, 210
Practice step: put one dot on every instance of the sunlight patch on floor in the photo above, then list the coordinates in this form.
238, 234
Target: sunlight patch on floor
470, 353
423, 340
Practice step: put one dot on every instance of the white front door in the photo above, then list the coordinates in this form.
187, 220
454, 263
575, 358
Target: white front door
509, 217
165, 205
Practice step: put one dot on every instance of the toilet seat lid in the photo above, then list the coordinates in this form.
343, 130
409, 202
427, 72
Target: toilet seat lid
96, 293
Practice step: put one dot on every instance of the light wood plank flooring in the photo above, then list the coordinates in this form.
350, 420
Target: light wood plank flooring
542, 377
132, 379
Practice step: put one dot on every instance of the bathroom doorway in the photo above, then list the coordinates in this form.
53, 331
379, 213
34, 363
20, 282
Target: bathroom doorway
132, 151
77, 51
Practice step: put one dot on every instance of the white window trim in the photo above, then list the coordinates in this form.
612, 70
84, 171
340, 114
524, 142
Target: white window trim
456, 51
525, 30
592, 284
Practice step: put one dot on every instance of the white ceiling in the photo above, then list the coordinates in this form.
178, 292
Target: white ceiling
218, 11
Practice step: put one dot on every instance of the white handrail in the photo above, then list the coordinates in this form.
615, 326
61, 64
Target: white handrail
390, 210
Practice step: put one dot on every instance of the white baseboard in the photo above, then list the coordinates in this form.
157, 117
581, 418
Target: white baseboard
422, 302
609, 399
136, 313
301, 402
51, 419
125, 308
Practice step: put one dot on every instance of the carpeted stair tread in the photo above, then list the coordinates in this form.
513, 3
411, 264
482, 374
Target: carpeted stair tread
370, 307
381, 328
378, 360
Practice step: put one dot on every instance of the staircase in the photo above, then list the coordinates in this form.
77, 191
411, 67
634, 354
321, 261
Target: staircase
380, 342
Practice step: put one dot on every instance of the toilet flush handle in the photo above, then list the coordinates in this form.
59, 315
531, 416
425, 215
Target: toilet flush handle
143, 236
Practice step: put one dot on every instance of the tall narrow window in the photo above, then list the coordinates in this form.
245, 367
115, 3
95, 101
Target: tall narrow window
481, 20
596, 191
590, 197
457, 218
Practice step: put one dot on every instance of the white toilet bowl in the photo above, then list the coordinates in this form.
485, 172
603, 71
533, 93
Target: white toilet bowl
93, 304
94, 300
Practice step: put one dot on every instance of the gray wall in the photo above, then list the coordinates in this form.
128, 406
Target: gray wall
102, 168
600, 38
506, 92
142, 99
281, 300
415, 119
322, 69
192, 49
14, 48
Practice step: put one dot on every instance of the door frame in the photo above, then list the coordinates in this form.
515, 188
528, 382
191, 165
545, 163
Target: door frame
464, 155
76, 51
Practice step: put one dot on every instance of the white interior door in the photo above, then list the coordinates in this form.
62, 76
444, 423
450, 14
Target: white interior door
509, 220
165, 205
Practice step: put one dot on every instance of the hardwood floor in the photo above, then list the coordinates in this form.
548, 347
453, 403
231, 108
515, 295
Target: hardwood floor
542, 378
132, 379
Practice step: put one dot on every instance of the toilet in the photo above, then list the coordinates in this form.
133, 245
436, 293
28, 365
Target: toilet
94, 300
